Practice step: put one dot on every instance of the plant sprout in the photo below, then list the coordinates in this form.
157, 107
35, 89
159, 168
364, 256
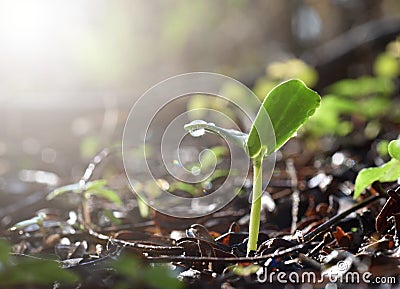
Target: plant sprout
36, 220
288, 106
388, 172
94, 188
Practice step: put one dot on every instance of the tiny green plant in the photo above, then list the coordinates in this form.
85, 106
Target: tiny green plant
85, 191
288, 106
36, 220
388, 172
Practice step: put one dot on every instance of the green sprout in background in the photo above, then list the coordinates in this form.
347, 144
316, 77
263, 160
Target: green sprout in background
94, 188
279, 71
288, 106
366, 98
388, 172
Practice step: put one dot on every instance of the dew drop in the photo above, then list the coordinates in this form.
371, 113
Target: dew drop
177, 163
197, 132
196, 170
162, 184
207, 186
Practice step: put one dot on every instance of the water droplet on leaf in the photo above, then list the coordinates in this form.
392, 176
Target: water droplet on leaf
197, 132
195, 170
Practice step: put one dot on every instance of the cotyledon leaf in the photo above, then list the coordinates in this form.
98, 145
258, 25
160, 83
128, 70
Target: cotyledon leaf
388, 172
288, 106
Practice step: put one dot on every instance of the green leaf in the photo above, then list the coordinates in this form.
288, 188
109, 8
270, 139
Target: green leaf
362, 86
35, 220
293, 68
209, 158
89, 146
244, 270
263, 86
36, 271
76, 188
160, 277
144, 209
108, 194
182, 186
127, 266
198, 127
389, 172
5, 249
110, 215
288, 105
386, 65
372, 107
95, 184
394, 149
382, 148
218, 173
157, 277
62, 190
327, 121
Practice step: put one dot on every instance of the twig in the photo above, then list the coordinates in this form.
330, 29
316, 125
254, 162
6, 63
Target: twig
97, 159
167, 250
230, 259
179, 250
323, 227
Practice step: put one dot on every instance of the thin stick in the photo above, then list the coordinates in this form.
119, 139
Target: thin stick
96, 160
232, 260
325, 226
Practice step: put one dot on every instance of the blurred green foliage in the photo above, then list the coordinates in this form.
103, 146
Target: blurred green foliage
137, 275
209, 159
85, 192
30, 271
89, 146
277, 72
382, 148
95, 188
362, 87
387, 63
243, 271
366, 98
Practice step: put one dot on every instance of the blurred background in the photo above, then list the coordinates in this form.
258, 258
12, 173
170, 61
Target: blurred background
71, 70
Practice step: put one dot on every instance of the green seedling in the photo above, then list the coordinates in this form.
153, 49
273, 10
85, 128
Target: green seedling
287, 106
388, 172
95, 188
36, 220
